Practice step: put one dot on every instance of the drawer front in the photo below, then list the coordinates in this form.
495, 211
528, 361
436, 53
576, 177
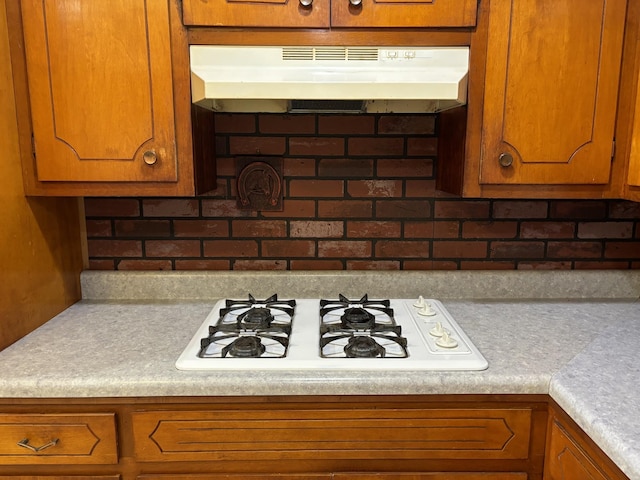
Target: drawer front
248, 13
61, 477
58, 439
405, 13
332, 434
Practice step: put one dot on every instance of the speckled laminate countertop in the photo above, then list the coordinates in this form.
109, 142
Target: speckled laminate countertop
574, 336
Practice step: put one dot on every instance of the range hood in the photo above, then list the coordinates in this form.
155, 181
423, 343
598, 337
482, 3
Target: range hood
328, 78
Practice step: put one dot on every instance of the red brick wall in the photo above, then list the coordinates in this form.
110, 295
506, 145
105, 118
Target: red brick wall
359, 193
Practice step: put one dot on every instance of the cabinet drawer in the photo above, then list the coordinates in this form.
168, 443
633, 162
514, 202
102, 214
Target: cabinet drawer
246, 13
58, 439
332, 434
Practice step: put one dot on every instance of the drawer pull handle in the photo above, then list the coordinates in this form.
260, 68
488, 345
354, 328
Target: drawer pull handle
25, 444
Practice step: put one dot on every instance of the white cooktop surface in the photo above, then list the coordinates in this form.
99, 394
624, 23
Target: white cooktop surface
304, 351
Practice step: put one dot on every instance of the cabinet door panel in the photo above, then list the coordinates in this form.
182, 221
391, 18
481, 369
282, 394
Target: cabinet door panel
100, 85
550, 93
403, 13
238, 476
250, 13
431, 476
567, 460
634, 155
332, 434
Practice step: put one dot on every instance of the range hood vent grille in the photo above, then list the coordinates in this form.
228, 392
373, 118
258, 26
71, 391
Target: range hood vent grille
330, 53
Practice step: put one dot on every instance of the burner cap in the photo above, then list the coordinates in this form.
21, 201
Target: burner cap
363, 347
357, 318
256, 317
245, 347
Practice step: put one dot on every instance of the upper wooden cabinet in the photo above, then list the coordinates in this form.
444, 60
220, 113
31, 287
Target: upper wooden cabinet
108, 91
630, 98
551, 86
634, 154
331, 13
543, 96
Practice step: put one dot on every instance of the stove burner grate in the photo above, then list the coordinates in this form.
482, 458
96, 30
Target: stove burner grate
360, 329
250, 328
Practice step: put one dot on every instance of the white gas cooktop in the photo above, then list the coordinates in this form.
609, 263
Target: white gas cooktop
434, 340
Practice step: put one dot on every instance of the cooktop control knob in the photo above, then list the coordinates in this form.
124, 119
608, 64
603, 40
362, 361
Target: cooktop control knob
438, 330
420, 303
445, 341
427, 310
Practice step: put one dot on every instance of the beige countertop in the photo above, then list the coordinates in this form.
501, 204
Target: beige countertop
575, 338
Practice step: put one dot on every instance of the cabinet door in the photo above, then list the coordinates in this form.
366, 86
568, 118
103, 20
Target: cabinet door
431, 476
552, 73
568, 461
332, 434
100, 87
251, 13
238, 476
633, 177
403, 13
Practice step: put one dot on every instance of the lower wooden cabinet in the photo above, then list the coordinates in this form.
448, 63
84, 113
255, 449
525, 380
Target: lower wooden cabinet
61, 477
404, 437
348, 476
58, 438
333, 432
571, 455
431, 476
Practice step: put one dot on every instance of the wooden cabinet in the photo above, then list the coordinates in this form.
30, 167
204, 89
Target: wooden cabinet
108, 90
58, 438
238, 476
628, 131
403, 437
351, 438
431, 476
571, 455
61, 477
543, 100
347, 476
332, 433
331, 13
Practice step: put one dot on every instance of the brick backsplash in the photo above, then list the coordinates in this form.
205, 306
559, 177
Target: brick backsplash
359, 194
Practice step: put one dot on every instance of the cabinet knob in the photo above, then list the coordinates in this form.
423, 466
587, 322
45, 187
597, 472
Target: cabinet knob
505, 160
149, 157
306, 3
356, 3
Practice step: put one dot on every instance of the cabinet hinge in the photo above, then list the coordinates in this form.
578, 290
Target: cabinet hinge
613, 150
